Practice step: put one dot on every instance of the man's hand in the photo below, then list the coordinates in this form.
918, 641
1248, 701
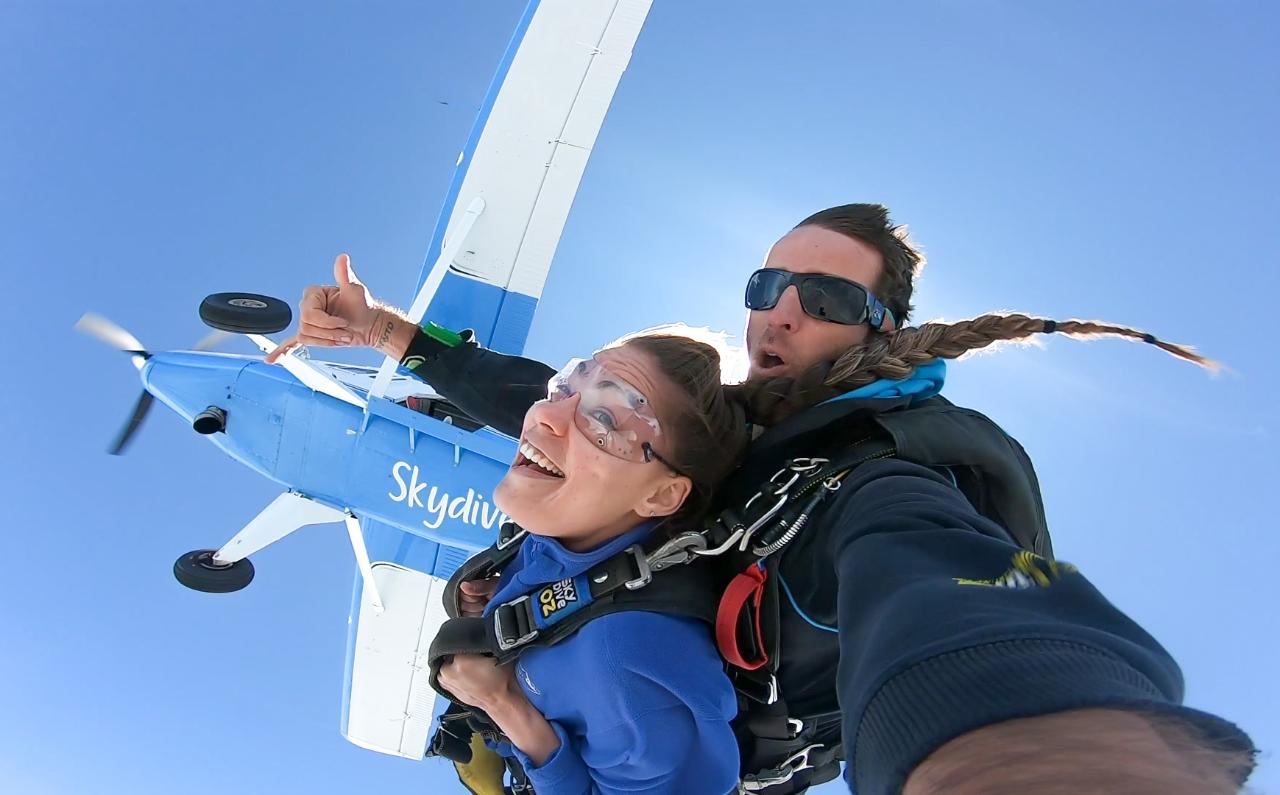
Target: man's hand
346, 314
1095, 750
479, 681
473, 595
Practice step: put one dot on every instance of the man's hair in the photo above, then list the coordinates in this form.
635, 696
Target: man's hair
871, 224
895, 355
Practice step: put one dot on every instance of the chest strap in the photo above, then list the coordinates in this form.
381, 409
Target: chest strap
555, 611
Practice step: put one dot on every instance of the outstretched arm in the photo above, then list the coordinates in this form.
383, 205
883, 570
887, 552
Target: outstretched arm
493, 388
1084, 750
965, 658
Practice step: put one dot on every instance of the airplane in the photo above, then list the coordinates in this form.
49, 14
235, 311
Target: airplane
409, 475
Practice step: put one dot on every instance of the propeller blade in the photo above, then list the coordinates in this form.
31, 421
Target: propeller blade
210, 342
126, 433
108, 332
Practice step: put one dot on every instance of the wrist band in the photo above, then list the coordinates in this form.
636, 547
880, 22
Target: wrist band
429, 341
441, 334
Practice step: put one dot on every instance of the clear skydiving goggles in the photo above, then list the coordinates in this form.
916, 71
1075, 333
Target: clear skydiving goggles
612, 413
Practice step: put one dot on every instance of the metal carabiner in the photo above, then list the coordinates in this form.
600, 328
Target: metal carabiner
720, 550
809, 465
757, 524
678, 550
781, 774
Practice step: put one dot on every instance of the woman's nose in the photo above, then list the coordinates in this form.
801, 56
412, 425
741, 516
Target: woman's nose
555, 416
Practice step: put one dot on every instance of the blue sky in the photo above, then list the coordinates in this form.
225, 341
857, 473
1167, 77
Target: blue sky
1112, 160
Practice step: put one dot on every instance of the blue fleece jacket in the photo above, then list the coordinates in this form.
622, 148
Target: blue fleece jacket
639, 700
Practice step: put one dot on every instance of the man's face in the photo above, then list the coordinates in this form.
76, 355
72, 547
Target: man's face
784, 341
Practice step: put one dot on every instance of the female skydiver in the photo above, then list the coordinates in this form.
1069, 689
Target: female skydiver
627, 444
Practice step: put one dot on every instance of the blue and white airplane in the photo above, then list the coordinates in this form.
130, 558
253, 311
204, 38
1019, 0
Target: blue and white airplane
376, 449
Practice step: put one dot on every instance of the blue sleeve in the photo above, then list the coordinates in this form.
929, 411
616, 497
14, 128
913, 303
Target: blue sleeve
655, 722
946, 626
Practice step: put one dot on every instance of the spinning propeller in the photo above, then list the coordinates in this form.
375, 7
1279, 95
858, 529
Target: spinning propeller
115, 336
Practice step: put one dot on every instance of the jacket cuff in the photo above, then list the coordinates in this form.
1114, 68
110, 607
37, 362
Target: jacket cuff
927, 704
564, 770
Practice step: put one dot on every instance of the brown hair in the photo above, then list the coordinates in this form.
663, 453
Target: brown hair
871, 224
708, 432
895, 355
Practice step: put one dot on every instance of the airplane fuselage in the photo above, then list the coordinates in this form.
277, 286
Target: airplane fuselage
388, 462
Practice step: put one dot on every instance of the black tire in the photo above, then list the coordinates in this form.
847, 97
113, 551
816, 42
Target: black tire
197, 571
245, 313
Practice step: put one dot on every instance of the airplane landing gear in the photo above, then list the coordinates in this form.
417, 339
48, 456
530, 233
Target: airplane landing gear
198, 571
245, 313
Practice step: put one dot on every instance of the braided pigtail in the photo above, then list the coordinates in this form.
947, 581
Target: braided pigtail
896, 356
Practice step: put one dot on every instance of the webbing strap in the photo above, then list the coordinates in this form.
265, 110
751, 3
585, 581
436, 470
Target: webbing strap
483, 565
745, 591
457, 636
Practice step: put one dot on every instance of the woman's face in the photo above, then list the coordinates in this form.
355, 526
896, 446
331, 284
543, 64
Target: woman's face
592, 495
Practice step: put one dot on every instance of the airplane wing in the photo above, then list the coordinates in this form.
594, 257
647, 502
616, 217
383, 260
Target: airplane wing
485, 267
523, 162
388, 703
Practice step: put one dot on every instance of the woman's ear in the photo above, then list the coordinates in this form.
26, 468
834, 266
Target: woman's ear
666, 497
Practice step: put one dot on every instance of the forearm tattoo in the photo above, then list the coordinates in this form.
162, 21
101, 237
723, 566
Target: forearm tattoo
387, 328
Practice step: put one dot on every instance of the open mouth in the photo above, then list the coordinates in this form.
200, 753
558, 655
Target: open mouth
533, 460
769, 361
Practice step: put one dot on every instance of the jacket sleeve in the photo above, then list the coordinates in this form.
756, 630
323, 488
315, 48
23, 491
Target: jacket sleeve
946, 626
492, 388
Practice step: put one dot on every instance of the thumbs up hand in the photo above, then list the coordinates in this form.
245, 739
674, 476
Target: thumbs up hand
341, 315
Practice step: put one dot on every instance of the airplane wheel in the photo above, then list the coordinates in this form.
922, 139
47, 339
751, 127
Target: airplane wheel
245, 313
197, 571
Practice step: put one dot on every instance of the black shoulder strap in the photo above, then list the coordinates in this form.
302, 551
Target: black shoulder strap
623, 582
483, 565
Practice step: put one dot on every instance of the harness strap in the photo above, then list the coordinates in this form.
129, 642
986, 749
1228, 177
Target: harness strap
746, 590
483, 565
550, 614
457, 636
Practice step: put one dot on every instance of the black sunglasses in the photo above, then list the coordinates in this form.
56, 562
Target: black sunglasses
828, 298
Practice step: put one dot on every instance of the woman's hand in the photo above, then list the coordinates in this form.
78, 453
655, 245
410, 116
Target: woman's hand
479, 681
474, 595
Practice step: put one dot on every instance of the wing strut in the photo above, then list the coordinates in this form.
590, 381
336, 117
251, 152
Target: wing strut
287, 513
429, 287
362, 560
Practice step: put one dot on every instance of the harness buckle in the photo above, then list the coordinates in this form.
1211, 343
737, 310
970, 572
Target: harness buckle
644, 575
519, 638
781, 774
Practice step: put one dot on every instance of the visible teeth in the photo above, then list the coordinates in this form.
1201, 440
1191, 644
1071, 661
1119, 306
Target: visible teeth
535, 455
